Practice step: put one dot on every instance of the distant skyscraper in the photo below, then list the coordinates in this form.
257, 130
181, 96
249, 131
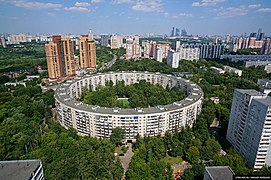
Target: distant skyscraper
105, 39
183, 33
261, 37
87, 49
172, 32
259, 34
249, 128
253, 35
60, 58
177, 33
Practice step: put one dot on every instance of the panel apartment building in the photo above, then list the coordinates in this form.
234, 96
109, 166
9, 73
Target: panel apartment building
249, 128
60, 58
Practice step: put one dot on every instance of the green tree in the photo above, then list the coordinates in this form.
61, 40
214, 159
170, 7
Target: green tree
193, 154
117, 135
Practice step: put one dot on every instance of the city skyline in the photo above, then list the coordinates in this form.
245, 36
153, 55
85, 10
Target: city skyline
198, 17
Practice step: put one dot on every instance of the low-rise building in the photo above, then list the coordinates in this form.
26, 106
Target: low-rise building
233, 70
265, 85
21, 169
217, 70
218, 173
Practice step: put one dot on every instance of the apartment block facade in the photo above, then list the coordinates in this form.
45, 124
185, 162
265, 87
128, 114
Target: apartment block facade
60, 58
87, 49
249, 128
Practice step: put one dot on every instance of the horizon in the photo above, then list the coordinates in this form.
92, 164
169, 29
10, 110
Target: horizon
198, 17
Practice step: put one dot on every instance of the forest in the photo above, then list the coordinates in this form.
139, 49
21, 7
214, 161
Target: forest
142, 94
28, 131
22, 57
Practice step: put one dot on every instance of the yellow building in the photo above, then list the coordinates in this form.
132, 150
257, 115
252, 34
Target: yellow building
60, 58
87, 49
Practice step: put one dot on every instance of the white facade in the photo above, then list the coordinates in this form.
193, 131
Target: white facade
158, 55
233, 70
173, 59
249, 129
189, 53
265, 85
90, 120
217, 70
116, 41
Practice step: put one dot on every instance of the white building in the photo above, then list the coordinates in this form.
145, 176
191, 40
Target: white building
217, 70
92, 120
116, 41
233, 70
173, 59
249, 128
189, 53
267, 68
158, 55
265, 85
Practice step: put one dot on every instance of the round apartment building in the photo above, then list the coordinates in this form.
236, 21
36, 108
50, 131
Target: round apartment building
91, 120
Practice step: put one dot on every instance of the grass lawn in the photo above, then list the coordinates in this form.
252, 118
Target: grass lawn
118, 150
123, 102
173, 160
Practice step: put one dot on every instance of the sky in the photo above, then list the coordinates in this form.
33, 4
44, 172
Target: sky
198, 17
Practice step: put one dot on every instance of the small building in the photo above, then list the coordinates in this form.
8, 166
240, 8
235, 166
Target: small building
215, 99
265, 85
267, 68
218, 173
15, 84
21, 169
217, 70
233, 70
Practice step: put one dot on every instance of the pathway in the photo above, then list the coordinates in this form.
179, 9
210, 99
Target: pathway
125, 160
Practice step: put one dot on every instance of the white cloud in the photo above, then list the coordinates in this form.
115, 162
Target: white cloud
207, 3
34, 5
50, 14
264, 10
82, 4
148, 6
181, 15
77, 9
232, 12
254, 5
96, 1
121, 1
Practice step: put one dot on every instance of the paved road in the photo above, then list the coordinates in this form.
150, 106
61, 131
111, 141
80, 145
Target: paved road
125, 160
109, 64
